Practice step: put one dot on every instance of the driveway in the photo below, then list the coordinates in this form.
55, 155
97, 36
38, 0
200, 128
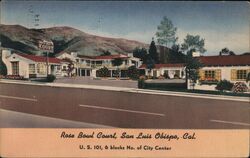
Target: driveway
100, 82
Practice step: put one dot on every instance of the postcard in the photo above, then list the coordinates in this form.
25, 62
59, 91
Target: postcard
124, 78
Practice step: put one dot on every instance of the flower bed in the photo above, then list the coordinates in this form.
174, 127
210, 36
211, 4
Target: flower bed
12, 77
208, 82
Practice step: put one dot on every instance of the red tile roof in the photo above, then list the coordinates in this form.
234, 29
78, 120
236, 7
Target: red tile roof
158, 66
85, 56
103, 56
111, 56
39, 58
229, 60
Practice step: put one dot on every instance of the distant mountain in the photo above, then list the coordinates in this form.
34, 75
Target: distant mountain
64, 38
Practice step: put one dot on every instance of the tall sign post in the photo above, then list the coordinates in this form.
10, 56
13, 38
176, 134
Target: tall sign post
47, 47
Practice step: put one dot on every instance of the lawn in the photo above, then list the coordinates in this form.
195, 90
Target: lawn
177, 87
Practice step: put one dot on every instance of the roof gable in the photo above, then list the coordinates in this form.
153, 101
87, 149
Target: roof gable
39, 58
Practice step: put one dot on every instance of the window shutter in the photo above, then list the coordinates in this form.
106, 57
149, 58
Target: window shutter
233, 74
218, 74
202, 74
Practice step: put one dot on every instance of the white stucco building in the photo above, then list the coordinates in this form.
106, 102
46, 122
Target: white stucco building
88, 65
30, 66
176, 70
233, 68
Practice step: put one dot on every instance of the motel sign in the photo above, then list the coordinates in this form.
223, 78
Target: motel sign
46, 46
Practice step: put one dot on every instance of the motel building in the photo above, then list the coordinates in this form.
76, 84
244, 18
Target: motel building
30, 66
89, 65
233, 68
175, 70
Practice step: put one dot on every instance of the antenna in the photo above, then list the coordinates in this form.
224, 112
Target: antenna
99, 24
30, 15
36, 20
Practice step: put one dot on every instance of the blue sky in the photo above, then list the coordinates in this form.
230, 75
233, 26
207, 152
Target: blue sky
222, 24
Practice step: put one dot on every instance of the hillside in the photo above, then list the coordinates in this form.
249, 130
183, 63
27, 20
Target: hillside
67, 39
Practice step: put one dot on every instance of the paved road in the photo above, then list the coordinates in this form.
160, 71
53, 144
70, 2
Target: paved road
125, 109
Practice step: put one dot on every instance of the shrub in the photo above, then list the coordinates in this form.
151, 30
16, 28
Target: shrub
150, 77
51, 78
141, 83
143, 77
116, 73
3, 68
248, 77
161, 77
239, 87
103, 72
224, 85
133, 73
13, 77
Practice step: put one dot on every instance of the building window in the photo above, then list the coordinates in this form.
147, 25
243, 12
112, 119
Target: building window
99, 63
241, 74
88, 62
32, 69
15, 68
209, 74
177, 74
64, 68
41, 69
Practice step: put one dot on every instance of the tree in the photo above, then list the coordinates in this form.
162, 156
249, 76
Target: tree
192, 68
133, 73
176, 55
103, 72
192, 44
226, 51
150, 64
70, 69
106, 53
3, 68
140, 53
117, 62
70, 66
166, 32
153, 52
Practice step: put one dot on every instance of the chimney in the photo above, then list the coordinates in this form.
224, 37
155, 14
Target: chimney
5, 54
74, 54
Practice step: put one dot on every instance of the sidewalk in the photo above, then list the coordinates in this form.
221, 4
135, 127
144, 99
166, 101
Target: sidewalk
133, 90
